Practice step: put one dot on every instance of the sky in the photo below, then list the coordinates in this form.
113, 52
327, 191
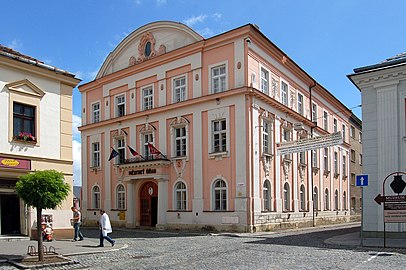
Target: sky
326, 38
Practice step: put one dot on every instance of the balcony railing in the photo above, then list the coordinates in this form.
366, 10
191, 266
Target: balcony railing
139, 159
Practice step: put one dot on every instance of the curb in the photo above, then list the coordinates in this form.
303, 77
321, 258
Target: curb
95, 252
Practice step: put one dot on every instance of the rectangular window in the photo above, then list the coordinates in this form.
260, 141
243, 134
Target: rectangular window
314, 112
300, 103
352, 155
121, 151
335, 125
353, 179
325, 159
360, 159
343, 130
360, 137
219, 135
302, 157
352, 132
180, 141
335, 162
179, 89
96, 154
218, 79
264, 81
120, 103
284, 93
266, 138
325, 120
23, 121
286, 137
147, 138
314, 159
96, 112
147, 98
344, 166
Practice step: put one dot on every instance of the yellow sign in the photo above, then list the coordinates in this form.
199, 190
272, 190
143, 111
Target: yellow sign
121, 215
10, 162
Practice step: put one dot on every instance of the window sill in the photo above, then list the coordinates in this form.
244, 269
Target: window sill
179, 158
218, 211
174, 211
217, 155
25, 142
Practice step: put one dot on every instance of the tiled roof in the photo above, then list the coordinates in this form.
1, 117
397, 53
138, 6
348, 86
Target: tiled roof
13, 54
399, 59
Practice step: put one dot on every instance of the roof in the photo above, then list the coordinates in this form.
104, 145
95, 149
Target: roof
399, 59
15, 55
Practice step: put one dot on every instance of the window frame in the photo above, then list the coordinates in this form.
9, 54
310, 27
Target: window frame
120, 144
314, 112
286, 197
223, 195
180, 202
181, 88
284, 95
300, 103
325, 120
267, 196
145, 149
264, 80
302, 198
96, 112
326, 199
220, 77
326, 160
316, 199
120, 104
120, 197
95, 155
183, 140
32, 119
96, 202
220, 133
267, 137
147, 99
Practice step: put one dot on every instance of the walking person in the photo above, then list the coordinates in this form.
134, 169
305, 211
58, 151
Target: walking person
76, 220
105, 228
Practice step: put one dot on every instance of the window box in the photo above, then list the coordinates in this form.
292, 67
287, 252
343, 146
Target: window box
25, 137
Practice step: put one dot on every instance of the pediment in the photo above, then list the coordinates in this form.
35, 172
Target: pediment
25, 87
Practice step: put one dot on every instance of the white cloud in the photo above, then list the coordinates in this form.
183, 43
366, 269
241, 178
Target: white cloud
76, 122
160, 2
15, 44
206, 32
77, 162
195, 19
86, 75
216, 16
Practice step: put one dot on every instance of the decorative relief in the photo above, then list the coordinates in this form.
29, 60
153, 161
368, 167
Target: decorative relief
286, 165
266, 163
179, 166
293, 99
275, 87
302, 168
146, 49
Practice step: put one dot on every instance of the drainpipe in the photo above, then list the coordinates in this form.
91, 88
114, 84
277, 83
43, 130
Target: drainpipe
311, 153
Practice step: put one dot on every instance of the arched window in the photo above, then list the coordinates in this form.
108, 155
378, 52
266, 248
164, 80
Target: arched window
266, 194
220, 195
302, 198
286, 197
336, 200
326, 200
344, 200
120, 197
316, 199
96, 197
180, 196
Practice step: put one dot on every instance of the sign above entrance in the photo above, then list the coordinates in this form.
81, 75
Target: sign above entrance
143, 171
15, 163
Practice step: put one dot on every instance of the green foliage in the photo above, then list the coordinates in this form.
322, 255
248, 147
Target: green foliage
43, 189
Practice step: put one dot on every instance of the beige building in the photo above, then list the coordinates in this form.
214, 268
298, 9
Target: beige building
355, 166
36, 134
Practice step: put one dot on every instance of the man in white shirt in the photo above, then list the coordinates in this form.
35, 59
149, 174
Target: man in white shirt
105, 228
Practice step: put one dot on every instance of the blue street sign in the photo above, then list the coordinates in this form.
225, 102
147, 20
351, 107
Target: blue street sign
361, 180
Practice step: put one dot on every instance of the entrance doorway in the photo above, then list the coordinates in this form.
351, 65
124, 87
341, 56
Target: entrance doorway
10, 214
149, 204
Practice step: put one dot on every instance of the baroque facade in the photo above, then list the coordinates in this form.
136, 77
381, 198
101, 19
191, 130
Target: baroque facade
181, 132
355, 166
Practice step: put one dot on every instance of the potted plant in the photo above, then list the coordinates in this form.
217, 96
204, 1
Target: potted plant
25, 137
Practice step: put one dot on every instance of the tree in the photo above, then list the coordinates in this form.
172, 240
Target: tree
42, 190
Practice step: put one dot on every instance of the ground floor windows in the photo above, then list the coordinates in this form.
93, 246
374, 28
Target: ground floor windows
96, 197
286, 197
220, 195
302, 198
180, 196
326, 200
266, 194
315, 199
120, 195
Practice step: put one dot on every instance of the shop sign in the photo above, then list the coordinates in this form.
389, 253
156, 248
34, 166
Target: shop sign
143, 171
15, 163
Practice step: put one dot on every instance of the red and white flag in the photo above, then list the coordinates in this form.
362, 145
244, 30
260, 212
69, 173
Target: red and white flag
153, 150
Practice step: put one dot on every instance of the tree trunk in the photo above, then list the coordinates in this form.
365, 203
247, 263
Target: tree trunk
39, 235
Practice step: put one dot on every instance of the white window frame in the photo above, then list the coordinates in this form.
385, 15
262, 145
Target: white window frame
145, 149
335, 157
284, 96
345, 200
335, 125
119, 101
336, 200
267, 196
326, 160
179, 91
352, 132
220, 133
316, 206
300, 103
286, 197
222, 76
326, 199
95, 155
325, 120
120, 197
147, 98
95, 112
360, 137
315, 163
120, 144
182, 139
360, 159
214, 115
223, 191
344, 169
302, 197
344, 132
180, 202
287, 131
314, 112
96, 197
265, 79
267, 137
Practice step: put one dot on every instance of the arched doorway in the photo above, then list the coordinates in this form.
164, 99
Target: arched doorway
149, 204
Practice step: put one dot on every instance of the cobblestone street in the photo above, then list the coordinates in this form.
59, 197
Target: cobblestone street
303, 249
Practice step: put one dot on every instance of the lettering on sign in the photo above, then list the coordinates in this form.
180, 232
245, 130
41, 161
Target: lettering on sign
143, 171
309, 143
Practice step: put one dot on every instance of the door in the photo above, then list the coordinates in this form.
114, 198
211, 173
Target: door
10, 214
149, 204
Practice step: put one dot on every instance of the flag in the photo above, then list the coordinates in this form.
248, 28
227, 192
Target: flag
113, 154
153, 150
133, 152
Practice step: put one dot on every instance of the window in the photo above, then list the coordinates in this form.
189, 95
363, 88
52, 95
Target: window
267, 138
360, 159
314, 159
302, 198
353, 179
96, 112
219, 128
352, 155
325, 120
344, 200
180, 196
314, 112
344, 170
264, 81
315, 199
120, 150
284, 93
360, 137
147, 138
352, 132
120, 105
120, 196
336, 200
220, 195
180, 141
147, 98
286, 197
96, 154
335, 163
266, 194
325, 159
179, 89
218, 79
286, 137
344, 133
326, 200
96, 197
300, 103
302, 158
335, 125
353, 207
23, 120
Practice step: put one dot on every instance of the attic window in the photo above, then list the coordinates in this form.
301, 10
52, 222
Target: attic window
147, 51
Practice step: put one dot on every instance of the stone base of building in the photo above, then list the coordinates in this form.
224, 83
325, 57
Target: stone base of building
65, 233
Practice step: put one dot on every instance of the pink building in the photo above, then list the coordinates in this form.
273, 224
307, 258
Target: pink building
195, 123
